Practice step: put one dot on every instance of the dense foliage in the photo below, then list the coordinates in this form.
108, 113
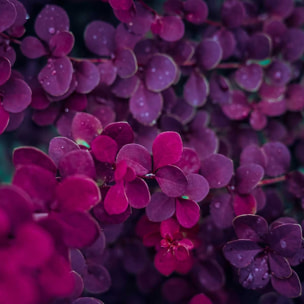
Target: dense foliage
159, 151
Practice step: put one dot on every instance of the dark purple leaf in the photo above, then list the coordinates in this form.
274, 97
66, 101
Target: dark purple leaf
138, 193
247, 177
125, 88
259, 46
282, 8
51, 20
279, 266
241, 253
209, 54
87, 300
8, 14
56, 76
171, 180
197, 188
16, 95
5, 69
4, 119
196, 11
295, 97
61, 44
233, 13
252, 154
293, 44
187, 212
99, 38
107, 71
160, 208
227, 42
126, 63
196, 90
279, 73
160, 72
290, 287
97, 279
169, 28
217, 169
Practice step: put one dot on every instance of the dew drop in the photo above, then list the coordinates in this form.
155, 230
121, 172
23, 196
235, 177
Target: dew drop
265, 276
153, 70
217, 205
47, 83
239, 257
94, 37
54, 72
283, 244
52, 30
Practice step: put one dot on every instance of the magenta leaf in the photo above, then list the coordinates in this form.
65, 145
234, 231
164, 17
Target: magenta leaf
56, 76
121, 4
116, 201
218, 170
126, 63
78, 228
33, 156
137, 158
87, 76
99, 38
4, 119
77, 193
187, 212
240, 253
200, 299
160, 72
32, 47
85, 127
138, 193
170, 142
171, 180
59, 146
197, 188
164, 262
77, 162
290, 287
196, 11
38, 183
104, 149
196, 89
5, 70
160, 208
16, 95
145, 105
189, 161
51, 20
244, 204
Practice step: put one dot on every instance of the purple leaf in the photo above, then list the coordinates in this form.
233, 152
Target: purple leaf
126, 63
77, 162
251, 227
137, 158
279, 266
87, 300
293, 44
252, 154
218, 170
104, 149
77, 193
99, 38
189, 161
187, 212
290, 287
160, 208
145, 105
107, 71
247, 177
33, 156
171, 180
16, 95
259, 46
227, 42
170, 142
51, 20
8, 14
85, 127
61, 44
278, 158
32, 47
197, 188
286, 239
138, 193
209, 54
196, 11
249, 77
160, 72
59, 146
4, 119
56, 76
241, 253
125, 88
78, 228
233, 13
97, 279
116, 201
38, 183
87, 76
169, 28
121, 132
5, 70
196, 89
121, 4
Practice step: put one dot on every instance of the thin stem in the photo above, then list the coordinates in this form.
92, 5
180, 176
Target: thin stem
229, 65
272, 180
150, 9
214, 23
93, 60
5, 36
